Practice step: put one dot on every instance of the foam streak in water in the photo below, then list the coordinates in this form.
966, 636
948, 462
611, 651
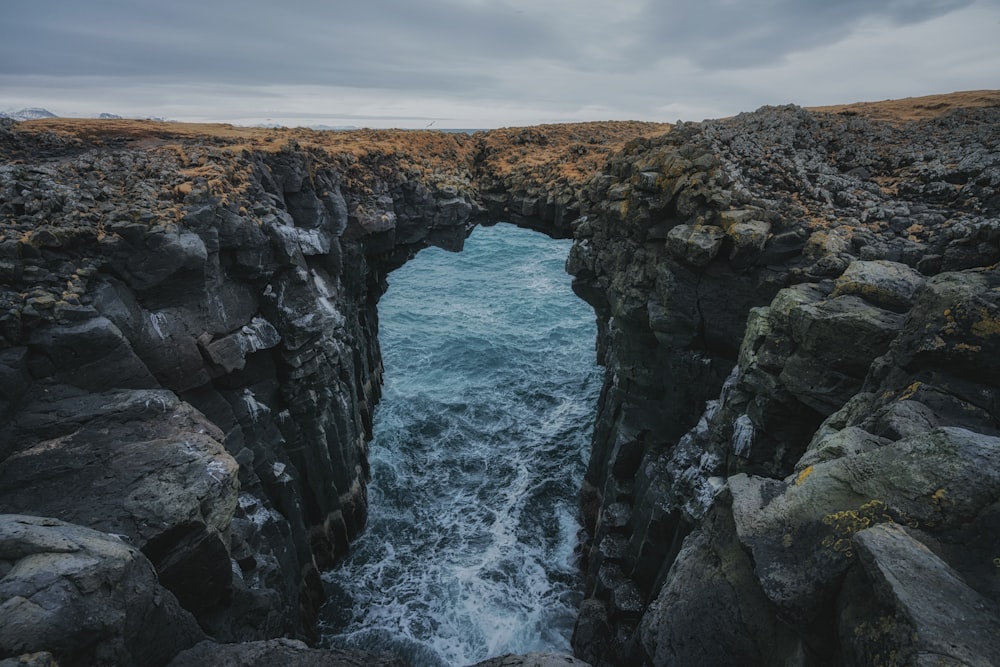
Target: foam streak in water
480, 446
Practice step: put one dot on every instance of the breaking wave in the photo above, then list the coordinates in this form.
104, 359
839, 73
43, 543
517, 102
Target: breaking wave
480, 447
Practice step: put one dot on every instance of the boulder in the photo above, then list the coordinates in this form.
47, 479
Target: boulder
696, 244
849, 441
953, 327
533, 660
749, 239
85, 597
278, 653
93, 355
147, 256
230, 352
928, 615
885, 284
836, 341
800, 530
711, 611
142, 465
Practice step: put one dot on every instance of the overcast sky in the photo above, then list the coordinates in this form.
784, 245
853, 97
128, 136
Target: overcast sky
482, 63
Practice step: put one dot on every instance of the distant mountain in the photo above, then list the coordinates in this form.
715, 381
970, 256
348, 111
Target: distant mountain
32, 113
28, 113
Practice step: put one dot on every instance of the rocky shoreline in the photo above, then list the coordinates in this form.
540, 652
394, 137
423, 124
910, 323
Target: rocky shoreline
795, 453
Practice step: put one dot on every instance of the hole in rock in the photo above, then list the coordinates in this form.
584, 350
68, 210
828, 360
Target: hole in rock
480, 446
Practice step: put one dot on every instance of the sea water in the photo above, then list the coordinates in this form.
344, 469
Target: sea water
480, 445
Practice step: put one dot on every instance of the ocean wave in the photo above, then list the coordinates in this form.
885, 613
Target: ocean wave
479, 449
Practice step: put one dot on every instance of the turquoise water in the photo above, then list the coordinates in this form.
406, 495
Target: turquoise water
480, 446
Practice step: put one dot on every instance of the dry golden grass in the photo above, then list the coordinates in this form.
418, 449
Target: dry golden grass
916, 108
148, 134
571, 152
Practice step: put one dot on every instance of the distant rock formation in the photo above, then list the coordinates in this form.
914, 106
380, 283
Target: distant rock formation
28, 113
794, 458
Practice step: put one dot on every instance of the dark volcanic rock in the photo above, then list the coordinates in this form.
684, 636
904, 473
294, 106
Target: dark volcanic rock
799, 530
191, 361
277, 653
924, 614
532, 660
84, 597
842, 314
156, 475
40, 659
711, 610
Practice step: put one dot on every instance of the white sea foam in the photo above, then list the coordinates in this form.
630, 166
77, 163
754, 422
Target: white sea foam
478, 455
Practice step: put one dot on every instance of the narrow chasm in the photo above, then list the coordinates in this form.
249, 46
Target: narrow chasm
480, 446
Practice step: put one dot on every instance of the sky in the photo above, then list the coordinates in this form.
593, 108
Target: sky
481, 63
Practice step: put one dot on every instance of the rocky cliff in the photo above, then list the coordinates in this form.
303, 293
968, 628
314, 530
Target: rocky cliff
795, 451
190, 360
794, 460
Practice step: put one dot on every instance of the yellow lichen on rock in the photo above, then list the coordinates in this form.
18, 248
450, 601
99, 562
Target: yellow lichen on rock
988, 324
846, 523
804, 475
909, 392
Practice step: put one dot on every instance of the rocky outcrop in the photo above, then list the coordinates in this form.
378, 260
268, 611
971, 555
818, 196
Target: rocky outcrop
84, 598
923, 612
156, 475
277, 653
798, 333
190, 358
532, 660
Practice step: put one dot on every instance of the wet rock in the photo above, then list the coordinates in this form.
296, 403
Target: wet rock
533, 660
155, 473
84, 597
592, 632
278, 653
928, 614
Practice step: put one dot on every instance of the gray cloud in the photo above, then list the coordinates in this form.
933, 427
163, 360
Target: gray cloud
728, 34
377, 43
486, 61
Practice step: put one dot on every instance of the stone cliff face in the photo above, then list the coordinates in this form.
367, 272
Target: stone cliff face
794, 457
190, 356
799, 328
